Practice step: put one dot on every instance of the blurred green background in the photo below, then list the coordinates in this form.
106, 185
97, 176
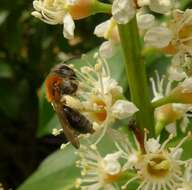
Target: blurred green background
28, 49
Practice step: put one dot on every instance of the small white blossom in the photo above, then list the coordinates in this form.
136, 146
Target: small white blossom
182, 61
98, 172
186, 85
169, 113
106, 49
175, 71
55, 12
158, 167
158, 36
181, 36
108, 30
161, 6
123, 109
145, 21
123, 10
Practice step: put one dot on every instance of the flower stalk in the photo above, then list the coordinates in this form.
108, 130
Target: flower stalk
136, 74
163, 101
99, 7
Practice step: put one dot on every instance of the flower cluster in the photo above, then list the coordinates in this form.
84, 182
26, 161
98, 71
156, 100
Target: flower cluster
153, 161
168, 114
155, 166
62, 12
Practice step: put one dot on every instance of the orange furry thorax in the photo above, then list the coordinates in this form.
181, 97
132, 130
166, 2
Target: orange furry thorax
51, 82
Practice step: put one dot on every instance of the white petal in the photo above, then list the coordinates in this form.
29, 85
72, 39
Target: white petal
142, 3
106, 49
175, 75
145, 21
161, 6
184, 124
101, 29
158, 37
187, 85
123, 109
68, 26
36, 14
152, 145
123, 11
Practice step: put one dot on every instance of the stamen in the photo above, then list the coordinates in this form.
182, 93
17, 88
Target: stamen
154, 89
102, 134
182, 141
166, 142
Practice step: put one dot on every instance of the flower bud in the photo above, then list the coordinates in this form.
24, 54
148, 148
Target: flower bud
81, 9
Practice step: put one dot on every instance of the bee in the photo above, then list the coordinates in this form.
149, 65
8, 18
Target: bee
61, 81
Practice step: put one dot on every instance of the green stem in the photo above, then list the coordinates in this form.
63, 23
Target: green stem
162, 101
136, 74
100, 7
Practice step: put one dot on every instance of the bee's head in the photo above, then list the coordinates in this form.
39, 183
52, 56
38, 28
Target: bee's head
64, 71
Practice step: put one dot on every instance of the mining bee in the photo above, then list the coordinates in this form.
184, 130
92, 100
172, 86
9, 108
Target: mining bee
61, 81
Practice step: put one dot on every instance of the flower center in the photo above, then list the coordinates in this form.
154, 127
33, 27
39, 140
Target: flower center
158, 166
101, 114
111, 178
185, 32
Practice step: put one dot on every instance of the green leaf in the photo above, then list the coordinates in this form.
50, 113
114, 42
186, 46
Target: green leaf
47, 118
58, 171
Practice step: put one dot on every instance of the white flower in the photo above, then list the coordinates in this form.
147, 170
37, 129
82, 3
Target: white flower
175, 71
55, 12
169, 113
158, 36
123, 10
159, 167
161, 6
98, 172
186, 85
122, 109
145, 21
101, 96
152, 145
109, 31
106, 49
182, 61
180, 28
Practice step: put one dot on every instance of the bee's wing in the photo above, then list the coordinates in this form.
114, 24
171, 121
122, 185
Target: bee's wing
68, 131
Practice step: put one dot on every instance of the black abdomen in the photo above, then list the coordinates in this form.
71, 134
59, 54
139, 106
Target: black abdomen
78, 121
